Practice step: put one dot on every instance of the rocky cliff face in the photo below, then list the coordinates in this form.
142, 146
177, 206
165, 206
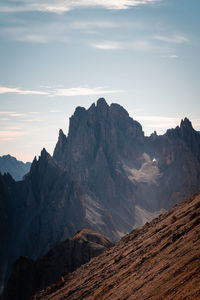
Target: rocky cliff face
158, 261
29, 276
105, 176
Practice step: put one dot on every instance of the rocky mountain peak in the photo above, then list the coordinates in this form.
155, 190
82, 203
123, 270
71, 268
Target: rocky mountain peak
186, 124
102, 106
39, 166
61, 134
102, 102
44, 154
79, 112
60, 146
117, 109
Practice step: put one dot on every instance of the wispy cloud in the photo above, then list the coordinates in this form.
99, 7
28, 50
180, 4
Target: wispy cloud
34, 112
61, 6
83, 91
11, 114
42, 32
172, 56
8, 135
112, 45
82, 25
77, 91
174, 39
5, 90
139, 45
62, 29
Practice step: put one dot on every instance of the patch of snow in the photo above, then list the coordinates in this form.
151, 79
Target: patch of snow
148, 172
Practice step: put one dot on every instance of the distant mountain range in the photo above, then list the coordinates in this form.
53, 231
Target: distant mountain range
9, 164
105, 176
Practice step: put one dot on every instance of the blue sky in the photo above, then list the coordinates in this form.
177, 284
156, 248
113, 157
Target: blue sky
56, 55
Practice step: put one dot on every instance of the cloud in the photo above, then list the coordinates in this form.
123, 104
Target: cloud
174, 39
144, 45
139, 45
173, 56
8, 135
5, 90
83, 91
13, 128
62, 6
11, 114
107, 45
6, 112
54, 111
42, 32
95, 24
16, 115
62, 29
77, 91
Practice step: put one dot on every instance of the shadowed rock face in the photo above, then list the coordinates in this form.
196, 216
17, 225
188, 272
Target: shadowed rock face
158, 261
105, 176
29, 276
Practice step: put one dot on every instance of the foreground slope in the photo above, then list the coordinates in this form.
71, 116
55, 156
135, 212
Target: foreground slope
161, 260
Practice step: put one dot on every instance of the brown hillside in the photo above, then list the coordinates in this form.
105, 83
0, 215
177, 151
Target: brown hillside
161, 260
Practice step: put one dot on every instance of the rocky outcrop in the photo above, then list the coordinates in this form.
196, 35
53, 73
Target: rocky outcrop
29, 276
158, 261
9, 164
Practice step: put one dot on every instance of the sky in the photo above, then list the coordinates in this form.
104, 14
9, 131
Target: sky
57, 55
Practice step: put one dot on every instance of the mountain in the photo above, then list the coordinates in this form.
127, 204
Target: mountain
29, 276
105, 176
9, 164
158, 261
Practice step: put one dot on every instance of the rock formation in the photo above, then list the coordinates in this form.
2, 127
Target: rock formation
29, 276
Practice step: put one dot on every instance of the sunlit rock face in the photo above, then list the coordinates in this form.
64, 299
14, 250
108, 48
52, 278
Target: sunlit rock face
105, 176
